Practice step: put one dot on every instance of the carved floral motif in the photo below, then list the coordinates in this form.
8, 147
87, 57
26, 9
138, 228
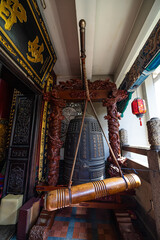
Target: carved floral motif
147, 53
16, 178
23, 122
43, 226
71, 84
77, 84
38, 233
82, 94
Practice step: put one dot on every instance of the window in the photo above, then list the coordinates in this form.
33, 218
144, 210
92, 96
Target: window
156, 80
157, 91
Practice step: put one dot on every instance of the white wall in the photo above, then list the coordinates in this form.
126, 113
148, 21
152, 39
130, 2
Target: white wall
150, 97
137, 135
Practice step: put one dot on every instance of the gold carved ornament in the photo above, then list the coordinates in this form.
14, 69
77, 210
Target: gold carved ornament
10, 10
36, 51
44, 131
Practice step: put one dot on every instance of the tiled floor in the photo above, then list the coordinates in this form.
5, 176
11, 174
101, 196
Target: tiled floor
83, 224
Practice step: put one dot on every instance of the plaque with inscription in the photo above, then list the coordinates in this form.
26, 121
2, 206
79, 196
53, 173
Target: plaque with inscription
24, 37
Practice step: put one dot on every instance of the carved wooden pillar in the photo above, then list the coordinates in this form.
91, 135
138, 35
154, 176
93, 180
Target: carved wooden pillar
153, 127
123, 137
113, 117
54, 142
113, 126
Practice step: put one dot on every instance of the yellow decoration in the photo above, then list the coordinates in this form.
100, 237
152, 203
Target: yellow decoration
45, 30
12, 112
25, 67
10, 10
35, 50
7, 46
36, 7
45, 125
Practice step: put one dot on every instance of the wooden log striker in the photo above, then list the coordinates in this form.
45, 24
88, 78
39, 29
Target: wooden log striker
64, 197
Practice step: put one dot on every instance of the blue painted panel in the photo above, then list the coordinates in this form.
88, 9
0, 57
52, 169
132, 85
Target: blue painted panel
154, 63
147, 71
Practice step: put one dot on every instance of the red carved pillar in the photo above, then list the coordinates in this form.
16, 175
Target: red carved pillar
113, 126
54, 142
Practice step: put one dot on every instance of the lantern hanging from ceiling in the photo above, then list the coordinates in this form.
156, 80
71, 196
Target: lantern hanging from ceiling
139, 108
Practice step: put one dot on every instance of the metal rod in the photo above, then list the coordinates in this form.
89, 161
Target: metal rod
85, 79
82, 25
110, 148
77, 147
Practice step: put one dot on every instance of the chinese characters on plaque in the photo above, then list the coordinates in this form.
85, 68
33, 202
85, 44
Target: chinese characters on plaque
10, 11
25, 39
36, 51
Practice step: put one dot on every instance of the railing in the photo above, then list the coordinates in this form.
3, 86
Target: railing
143, 171
138, 150
152, 173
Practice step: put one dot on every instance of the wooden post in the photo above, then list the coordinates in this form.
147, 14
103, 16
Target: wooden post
54, 143
154, 163
123, 137
113, 117
113, 126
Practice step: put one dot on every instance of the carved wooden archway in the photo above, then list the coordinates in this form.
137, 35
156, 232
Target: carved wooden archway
72, 91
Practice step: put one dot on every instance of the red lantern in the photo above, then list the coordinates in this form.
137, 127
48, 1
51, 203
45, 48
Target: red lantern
139, 108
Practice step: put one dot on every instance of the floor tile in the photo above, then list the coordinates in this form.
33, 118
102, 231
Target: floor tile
83, 224
59, 229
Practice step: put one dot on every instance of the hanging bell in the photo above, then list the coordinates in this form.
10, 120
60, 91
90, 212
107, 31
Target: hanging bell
139, 108
90, 162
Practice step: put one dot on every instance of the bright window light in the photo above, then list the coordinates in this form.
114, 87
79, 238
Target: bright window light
157, 91
156, 72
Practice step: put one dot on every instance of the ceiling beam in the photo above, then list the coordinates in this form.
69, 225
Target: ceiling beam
146, 21
60, 18
87, 10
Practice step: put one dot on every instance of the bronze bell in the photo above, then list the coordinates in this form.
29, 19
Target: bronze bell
90, 163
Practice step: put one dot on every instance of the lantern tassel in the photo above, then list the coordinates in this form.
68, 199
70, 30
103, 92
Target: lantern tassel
140, 121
